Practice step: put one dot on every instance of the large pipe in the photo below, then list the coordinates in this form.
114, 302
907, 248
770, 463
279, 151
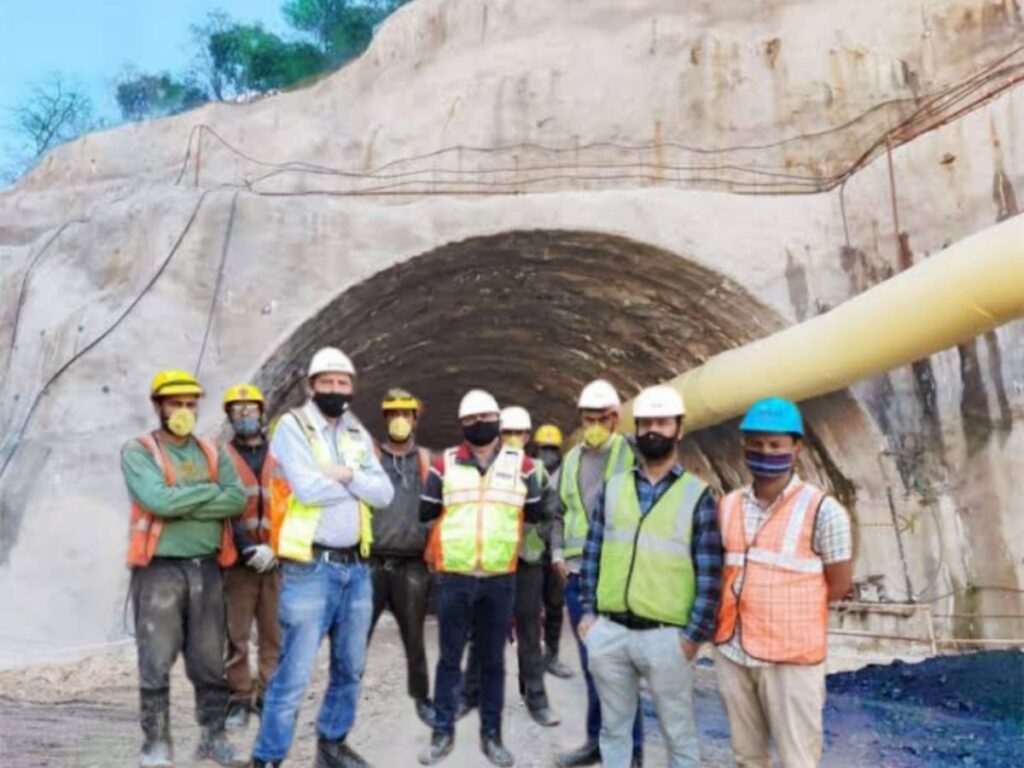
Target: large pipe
971, 287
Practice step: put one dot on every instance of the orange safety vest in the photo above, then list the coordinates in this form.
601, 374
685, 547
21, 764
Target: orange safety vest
256, 517
145, 527
781, 606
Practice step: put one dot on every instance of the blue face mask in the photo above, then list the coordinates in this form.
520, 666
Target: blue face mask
247, 426
769, 465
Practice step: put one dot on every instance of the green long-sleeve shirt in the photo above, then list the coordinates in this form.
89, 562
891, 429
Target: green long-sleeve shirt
192, 510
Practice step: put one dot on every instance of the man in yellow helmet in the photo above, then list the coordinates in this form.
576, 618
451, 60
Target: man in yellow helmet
253, 584
183, 492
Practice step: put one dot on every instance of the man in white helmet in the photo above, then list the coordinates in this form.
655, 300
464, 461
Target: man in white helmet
651, 585
325, 481
480, 492
581, 477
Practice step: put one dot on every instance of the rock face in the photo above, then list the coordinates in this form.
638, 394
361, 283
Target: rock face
525, 195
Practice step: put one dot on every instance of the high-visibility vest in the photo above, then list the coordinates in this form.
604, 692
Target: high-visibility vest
620, 459
256, 517
533, 546
145, 527
780, 606
481, 526
293, 524
646, 568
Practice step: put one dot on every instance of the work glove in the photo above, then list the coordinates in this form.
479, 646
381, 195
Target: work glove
260, 558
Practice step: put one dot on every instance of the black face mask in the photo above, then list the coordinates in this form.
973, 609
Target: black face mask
550, 458
482, 432
332, 404
654, 445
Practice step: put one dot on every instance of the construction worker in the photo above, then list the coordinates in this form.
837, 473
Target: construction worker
326, 479
253, 584
788, 552
401, 581
481, 492
547, 448
581, 479
183, 491
652, 571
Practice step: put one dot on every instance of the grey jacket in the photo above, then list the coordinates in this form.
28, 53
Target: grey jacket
397, 531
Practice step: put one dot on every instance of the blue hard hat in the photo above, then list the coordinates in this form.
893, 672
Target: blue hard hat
773, 414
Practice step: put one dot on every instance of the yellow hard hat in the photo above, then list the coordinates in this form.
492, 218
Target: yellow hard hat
548, 434
400, 400
248, 393
174, 382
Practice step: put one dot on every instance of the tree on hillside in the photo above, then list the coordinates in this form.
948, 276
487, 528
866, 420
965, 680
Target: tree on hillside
342, 29
246, 57
53, 112
144, 96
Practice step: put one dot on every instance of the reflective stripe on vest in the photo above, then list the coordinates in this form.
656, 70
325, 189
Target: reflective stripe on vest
774, 591
481, 525
620, 459
256, 517
646, 567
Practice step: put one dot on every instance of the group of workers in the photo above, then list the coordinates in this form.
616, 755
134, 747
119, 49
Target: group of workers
309, 528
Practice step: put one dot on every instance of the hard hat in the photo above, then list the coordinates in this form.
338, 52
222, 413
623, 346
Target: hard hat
598, 395
243, 393
475, 402
548, 434
773, 414
515, 419
330, 360
174, 382
658, 402
400, 400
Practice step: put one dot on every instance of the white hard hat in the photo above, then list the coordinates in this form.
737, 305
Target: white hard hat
657, 402
515, 419
475, 402
331, 360
598, 395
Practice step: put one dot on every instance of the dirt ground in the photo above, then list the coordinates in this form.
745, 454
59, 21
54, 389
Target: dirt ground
84, 715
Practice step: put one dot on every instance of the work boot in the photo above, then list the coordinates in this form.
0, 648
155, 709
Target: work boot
256, 763
494, 750
337, 754
588, 754
154, 712
156, 755
238, 716
557, 667
441, 745
214, 745
544, 716
425, 711
638, 761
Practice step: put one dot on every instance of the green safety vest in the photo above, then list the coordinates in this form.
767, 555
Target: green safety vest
620, 459
646, 568
533, 545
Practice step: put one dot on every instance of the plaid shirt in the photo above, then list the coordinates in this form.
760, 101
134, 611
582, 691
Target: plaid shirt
705, 550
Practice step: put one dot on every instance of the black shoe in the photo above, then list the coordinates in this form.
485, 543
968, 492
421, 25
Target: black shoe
554, 666
238, 716
543, 716
441, 745
337, 754
588, 754
425, 711
494, 750
638, 762
264, 764
214, 745
465, 707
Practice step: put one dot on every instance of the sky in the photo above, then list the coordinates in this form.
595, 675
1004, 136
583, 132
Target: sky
92, 40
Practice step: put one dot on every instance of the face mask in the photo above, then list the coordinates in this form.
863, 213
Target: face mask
482, 432
247, 426
332, 404
596, 435
513, 441
181, 422
769, 464
654, 445
399, 429
550, 458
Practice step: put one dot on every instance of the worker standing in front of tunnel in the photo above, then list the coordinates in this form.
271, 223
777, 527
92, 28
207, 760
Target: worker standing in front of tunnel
581, 478
480, 492
251, 586
183, 491
326, 481
652, 576
401, 581
788, 553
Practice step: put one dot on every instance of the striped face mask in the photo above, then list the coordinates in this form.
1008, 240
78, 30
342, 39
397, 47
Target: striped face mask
769, 464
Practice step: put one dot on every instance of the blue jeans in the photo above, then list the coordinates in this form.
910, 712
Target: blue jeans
575, 610
317, 599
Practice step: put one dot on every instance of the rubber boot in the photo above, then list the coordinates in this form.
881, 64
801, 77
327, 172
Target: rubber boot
156, 749
337, 754
214, 746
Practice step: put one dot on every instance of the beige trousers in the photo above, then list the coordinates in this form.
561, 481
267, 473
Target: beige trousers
782, 702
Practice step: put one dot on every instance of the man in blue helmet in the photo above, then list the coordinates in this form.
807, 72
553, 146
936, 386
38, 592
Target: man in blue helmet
788, 553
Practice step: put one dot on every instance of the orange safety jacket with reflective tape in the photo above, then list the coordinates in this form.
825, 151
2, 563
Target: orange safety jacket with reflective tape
256, 517
774, 591
145, 527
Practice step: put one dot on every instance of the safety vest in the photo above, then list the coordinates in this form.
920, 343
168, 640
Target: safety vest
256, 517
293, 524
620, 459
646, 568
481, 525
780, 607
145, 527
533, 546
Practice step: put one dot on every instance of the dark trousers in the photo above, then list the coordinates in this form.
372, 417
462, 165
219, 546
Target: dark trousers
485, 605
402, 585
554, 605
179, 608
251, 596
529, 602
